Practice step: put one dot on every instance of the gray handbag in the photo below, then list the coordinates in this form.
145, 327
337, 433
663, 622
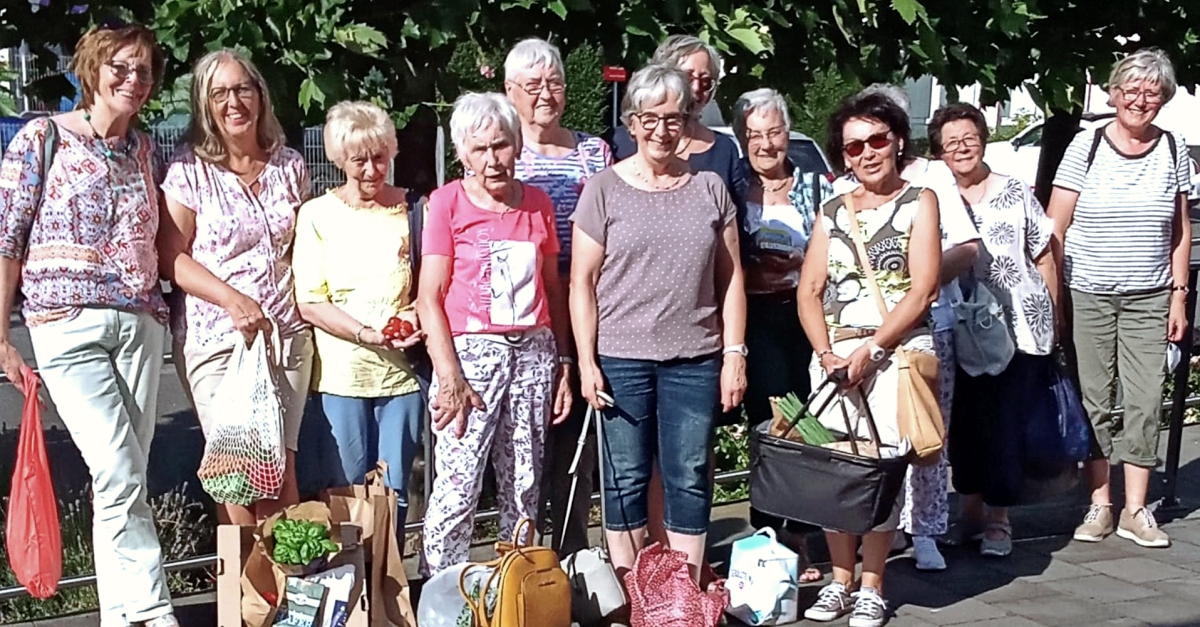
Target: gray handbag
982, 341
595, 590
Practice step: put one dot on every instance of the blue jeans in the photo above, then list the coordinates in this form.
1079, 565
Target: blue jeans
358, 432
665, 410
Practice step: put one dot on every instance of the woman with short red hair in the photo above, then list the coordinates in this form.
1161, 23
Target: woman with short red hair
78, 216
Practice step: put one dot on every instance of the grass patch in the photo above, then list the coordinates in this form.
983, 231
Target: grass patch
185, 529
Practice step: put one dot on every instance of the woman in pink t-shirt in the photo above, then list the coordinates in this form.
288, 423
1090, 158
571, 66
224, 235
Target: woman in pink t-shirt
489, 297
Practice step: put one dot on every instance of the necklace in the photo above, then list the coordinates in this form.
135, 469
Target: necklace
652, 181
108, 152
771, 190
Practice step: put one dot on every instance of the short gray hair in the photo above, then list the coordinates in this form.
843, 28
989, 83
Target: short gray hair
762, 100
474, 112
651, 86
1148, 64
531, 53
674, 49
895, 93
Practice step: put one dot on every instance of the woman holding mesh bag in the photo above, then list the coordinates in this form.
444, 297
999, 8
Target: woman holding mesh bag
232, 194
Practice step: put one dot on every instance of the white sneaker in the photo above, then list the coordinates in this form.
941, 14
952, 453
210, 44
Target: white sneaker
833, 602
870, 610
163, 621
926, 553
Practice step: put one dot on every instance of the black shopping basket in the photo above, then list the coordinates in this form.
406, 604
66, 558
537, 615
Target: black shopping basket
830, 488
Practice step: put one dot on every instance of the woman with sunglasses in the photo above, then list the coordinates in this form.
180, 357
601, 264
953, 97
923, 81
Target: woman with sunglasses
926, 513
232, 193
1123, 240
658, 309
78, 217
869, 136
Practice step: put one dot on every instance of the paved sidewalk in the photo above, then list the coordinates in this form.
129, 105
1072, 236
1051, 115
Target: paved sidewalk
1048, 581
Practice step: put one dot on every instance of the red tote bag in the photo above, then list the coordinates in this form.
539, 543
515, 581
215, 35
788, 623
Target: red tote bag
32, 534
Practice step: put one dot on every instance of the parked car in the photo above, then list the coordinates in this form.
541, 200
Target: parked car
802, 150
1019, 156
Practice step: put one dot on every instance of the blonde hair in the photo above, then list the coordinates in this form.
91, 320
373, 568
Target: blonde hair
204, 135
1148, 64
355, 125
100, 44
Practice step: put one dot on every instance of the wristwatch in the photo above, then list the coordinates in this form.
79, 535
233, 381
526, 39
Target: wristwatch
876, 351
736, 348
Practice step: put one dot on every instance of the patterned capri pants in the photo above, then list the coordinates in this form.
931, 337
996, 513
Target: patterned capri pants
926, 510
515, 378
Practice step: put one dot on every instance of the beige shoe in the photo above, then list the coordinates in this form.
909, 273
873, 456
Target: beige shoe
1097, 524
1141, 527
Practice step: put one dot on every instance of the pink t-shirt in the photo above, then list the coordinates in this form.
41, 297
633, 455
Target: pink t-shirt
496, 278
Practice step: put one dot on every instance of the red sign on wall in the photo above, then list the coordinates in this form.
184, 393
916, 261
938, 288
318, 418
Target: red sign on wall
615, 74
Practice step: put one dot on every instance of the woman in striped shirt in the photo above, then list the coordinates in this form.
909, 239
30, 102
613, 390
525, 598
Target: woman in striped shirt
1122, 234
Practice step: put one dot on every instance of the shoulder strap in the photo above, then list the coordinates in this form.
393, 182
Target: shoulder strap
865, 261
49, 149
1170, 137
1096, 139
815, 181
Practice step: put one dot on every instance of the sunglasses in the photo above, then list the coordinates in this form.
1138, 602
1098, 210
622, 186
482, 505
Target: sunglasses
705, 83
145, 75
878, 141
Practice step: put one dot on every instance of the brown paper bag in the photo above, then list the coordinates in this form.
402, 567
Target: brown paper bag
780, 427
373, 507
262, 577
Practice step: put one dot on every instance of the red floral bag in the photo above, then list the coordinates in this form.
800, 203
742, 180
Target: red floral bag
32, 534
663, 594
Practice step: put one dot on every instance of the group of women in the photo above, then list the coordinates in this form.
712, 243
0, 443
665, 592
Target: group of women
660, 292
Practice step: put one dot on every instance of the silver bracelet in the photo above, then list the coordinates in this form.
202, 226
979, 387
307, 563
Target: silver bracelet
358, 336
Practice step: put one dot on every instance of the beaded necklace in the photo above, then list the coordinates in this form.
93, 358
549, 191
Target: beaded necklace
108, 152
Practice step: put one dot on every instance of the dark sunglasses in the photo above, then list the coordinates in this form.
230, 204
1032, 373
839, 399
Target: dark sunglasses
705, 83
878, 141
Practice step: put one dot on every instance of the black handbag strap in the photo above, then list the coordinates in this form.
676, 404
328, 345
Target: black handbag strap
837, 378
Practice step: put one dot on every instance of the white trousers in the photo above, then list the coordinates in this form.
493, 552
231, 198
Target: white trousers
102, 370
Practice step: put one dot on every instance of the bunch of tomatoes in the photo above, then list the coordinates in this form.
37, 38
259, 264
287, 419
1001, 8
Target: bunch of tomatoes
397, 329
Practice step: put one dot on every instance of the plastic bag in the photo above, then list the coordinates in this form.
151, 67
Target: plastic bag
764, 583
1073, 425
32, 534
442, 604
243, 455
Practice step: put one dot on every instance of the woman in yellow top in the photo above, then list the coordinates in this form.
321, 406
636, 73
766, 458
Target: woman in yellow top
353, 274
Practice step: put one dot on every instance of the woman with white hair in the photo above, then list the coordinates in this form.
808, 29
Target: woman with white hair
1123, 240
496, 317
781, 207
659, 314
225, 241
354, 272
558, 161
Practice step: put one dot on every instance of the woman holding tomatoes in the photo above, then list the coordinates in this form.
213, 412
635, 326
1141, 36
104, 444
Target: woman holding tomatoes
356, 284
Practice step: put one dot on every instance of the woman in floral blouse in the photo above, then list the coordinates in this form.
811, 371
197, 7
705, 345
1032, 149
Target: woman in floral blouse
232, 195
78, 216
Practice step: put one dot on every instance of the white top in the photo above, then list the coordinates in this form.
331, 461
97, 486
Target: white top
1119, 240
1016, 231
955, 224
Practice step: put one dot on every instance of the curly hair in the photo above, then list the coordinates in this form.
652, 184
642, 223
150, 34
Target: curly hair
953, 113
871, 106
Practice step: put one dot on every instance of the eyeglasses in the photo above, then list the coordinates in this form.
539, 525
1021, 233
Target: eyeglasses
535, 89
704, 82
970, 141
650, 121
122, 71
769, 136
878, 141
244, 92
1132, 95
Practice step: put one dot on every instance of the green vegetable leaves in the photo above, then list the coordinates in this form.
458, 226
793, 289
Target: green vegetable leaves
810, 429
300, 542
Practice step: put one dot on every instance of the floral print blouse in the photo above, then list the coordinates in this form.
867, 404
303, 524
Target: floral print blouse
243, 238
85, 229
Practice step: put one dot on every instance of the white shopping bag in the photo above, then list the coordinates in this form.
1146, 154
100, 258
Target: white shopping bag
442, 603
243, 453
763, 580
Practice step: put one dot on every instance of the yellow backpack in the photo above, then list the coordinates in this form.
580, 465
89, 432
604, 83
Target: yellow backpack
527, 586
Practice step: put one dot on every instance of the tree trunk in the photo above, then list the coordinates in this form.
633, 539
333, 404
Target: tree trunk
1057, 134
